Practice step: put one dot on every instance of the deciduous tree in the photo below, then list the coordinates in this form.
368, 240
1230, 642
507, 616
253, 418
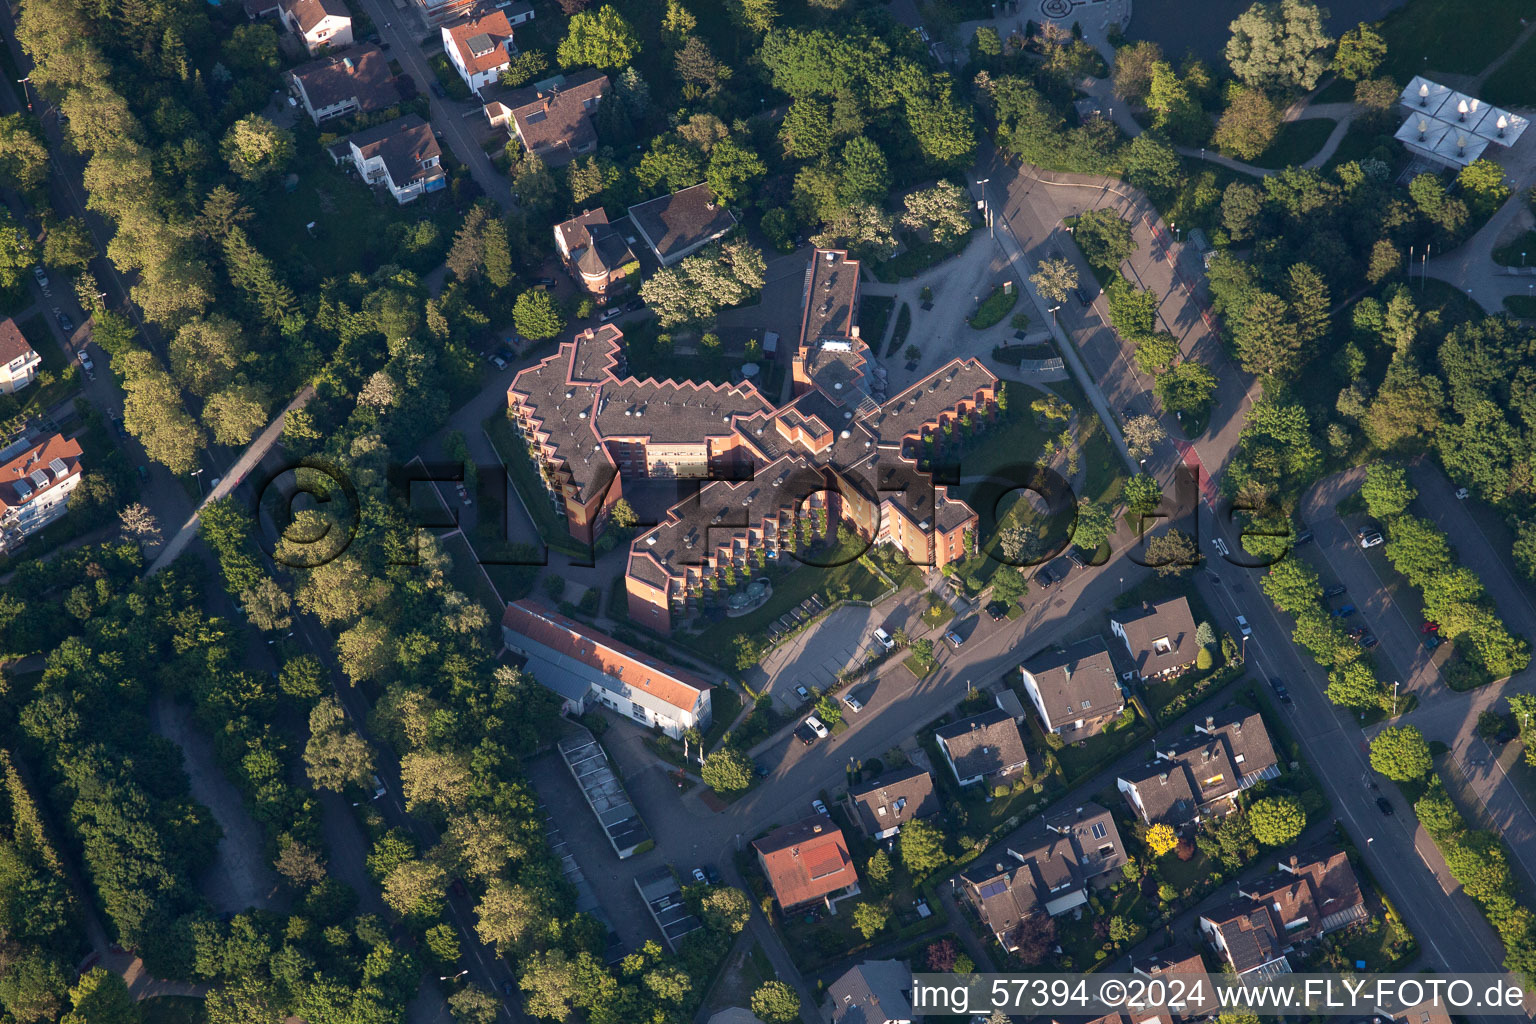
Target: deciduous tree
1401, 753
1277, 820
602, 39
1279, 45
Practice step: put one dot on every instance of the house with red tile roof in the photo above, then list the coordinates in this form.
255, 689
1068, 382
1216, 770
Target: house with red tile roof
18, 362
552, 118
806, 863
596, 254
36, 478
480, 48
586, 667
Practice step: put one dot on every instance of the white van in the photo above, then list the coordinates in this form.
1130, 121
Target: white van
884, 639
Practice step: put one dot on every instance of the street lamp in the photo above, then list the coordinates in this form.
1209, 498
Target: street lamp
1394, 698
453, 977
25, 94
197, 475
986, 207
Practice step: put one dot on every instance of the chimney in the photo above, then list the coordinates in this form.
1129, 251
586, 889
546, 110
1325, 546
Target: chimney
816, 829
1295, 862
1210, 721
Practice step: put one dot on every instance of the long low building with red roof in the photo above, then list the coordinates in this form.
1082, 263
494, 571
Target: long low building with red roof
840, 451
584, 666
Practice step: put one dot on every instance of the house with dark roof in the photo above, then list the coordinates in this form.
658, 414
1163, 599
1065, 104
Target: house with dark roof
1074, 689
807, 862
319, 23
681, 223
18, 362
1247, 935
890, 800
1169, 965
37, 476
1312, 893
584, 667
552, 118
402, 155
596, 254
480, 47
984, 747
1200, 775
1159, 637
355, 81
874, 992
1045, 870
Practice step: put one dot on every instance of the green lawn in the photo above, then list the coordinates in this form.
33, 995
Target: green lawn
467, 578
1514, 84
1082, 948
173, 1010
899, 333
918, 665
51, 360
1427, 36
1296, 142
874, 314
724, 705
1523, 306
994, 307
1118, 737
1105, 470
789, 589
1510, 255
916, 258
1362, 141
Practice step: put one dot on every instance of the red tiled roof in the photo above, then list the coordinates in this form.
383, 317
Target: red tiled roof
12, 344
37, 459
668, 683
309, 13
806, 861
496, 28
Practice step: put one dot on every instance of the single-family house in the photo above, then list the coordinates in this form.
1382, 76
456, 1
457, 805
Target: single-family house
1312, 893
356, 81
319, 23
1168, 965
1247, 936
1159, 637
36, 478
18, 362
1074, 689
874, 992
480, 48
596, 254
890, 800
807, 862
585, 666
517, 11
1200, 775
402, 154
1046, 870
681, 223
986, 746
553, 118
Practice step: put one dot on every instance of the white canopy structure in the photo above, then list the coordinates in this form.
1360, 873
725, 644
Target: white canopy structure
1451, 128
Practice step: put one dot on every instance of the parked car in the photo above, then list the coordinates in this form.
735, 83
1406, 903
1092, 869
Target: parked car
1368, 641
802, 692
497, 361
610, 313
463, 494
1243, 627
854, 704
86, 365
634, 305
65, 323
1280, 690
1430, 627
439, 91
1336, 590
507, 989
884, 639
955, 639
1044, 578
41, 275
759, 769
712, 874
506, 353
1344, 611
998, 610
543, 282
1370, 540
819, 807
378, 787
1385, 805
815, 725
1432, 640
1304, 537
806, 734
700, 877
1083, 298
1357, 632
1462, 494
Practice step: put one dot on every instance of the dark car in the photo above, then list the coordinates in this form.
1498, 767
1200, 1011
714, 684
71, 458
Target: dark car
711, 874
544, 282
439, 91
1083, 298
507, 989
1344, 611
1280, 690
1336, 590
1044, 577
458, 887
806, 733
634, 305
1432, 640
1304, 537
1080, 558
65, 322
1385, 805
1368, 641
998, 610
759, 769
